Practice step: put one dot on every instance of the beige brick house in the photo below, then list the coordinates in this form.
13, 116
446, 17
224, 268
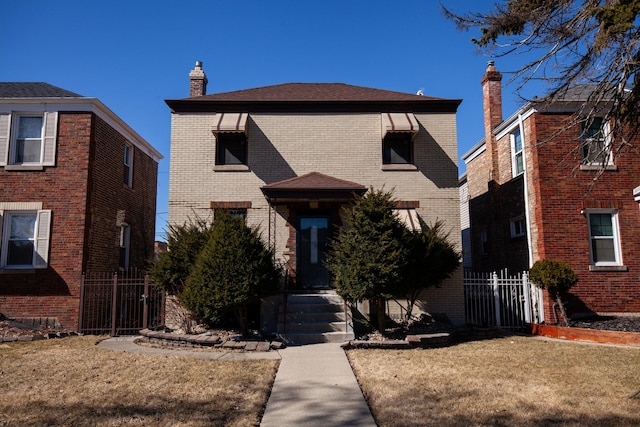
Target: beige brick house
289, 156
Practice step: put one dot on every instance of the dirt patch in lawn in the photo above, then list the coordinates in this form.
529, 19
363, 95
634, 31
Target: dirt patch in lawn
517, 380
70, 381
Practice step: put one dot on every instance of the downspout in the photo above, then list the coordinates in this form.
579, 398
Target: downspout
527, 215
527, 219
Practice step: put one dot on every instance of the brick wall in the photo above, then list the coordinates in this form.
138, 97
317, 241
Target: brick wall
55, 291
84, 229
558, 191
346, 146
559, 195
111, 202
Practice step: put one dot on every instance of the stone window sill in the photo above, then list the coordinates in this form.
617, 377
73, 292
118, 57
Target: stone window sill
231, 168
23, 168
598, 167
399, 167
613, 268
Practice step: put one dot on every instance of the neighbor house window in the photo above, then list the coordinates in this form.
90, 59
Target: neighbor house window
604, 238
233, 212
594, 142
517, 227
231, 148
27, 140
484, 242
517, 155
397, 149
25, 239
125, 245
128, 166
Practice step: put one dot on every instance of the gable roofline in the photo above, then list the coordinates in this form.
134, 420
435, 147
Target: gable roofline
313, 97
80, 103
571, 100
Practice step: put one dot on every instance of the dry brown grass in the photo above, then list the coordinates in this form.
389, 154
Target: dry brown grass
71, 382
504, 382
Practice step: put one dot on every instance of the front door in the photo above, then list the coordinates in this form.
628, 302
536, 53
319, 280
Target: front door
313, 235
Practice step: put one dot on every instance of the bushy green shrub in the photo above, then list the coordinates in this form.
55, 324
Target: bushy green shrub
368, 257
233, 269
432, 259
557, 278
171, 270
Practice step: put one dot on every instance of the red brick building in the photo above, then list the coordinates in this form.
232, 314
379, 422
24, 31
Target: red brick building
77, 194
541, 186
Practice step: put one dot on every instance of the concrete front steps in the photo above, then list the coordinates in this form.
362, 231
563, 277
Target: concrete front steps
310, 318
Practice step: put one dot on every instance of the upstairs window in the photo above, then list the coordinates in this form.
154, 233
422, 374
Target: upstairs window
231, 148
127, 178
398, 132
28, 143
594, 144
28, 140
517, 155
397, 149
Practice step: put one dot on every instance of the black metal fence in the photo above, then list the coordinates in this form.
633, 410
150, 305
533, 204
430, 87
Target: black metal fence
120, 303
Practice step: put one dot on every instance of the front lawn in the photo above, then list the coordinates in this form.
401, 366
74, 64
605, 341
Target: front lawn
72, 382
502, 382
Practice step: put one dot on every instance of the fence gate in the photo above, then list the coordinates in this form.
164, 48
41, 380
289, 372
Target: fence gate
119, 303
502, 301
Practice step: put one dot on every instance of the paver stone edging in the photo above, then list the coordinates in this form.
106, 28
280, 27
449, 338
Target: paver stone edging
581, 334
213, 341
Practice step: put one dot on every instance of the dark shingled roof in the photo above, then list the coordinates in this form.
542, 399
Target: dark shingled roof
312, 92
33, 90
313, 185
313, 97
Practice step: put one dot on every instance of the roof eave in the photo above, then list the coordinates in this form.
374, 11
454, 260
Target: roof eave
332, 106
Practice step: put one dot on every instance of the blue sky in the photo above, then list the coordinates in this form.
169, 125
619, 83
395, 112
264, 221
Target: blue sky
134, 54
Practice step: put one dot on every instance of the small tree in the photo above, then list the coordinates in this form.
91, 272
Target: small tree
433, 259
233, 269
557, 278
368, 257
171, 270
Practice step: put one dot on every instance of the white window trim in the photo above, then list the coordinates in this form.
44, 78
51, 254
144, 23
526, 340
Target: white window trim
608, 140
41, 238
616, 238
129, 162
514, 154
8, 135
125, 243
512, 227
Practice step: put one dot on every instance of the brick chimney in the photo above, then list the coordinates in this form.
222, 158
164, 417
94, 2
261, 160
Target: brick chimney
197, 81
492, 102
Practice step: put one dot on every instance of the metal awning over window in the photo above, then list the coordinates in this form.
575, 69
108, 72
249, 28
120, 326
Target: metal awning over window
409, 217
230, 123
399, 122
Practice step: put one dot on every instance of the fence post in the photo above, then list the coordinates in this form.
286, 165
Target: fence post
145, 299
496, 298
81, 317
114, 304
526, 290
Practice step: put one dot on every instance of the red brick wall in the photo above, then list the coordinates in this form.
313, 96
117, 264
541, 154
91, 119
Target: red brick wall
111, 202
55, 291
560, 194
85, 192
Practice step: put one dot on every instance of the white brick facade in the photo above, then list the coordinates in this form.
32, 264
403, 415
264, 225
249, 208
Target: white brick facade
347, 146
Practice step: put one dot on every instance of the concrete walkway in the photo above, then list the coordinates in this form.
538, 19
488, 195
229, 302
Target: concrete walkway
315, 386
